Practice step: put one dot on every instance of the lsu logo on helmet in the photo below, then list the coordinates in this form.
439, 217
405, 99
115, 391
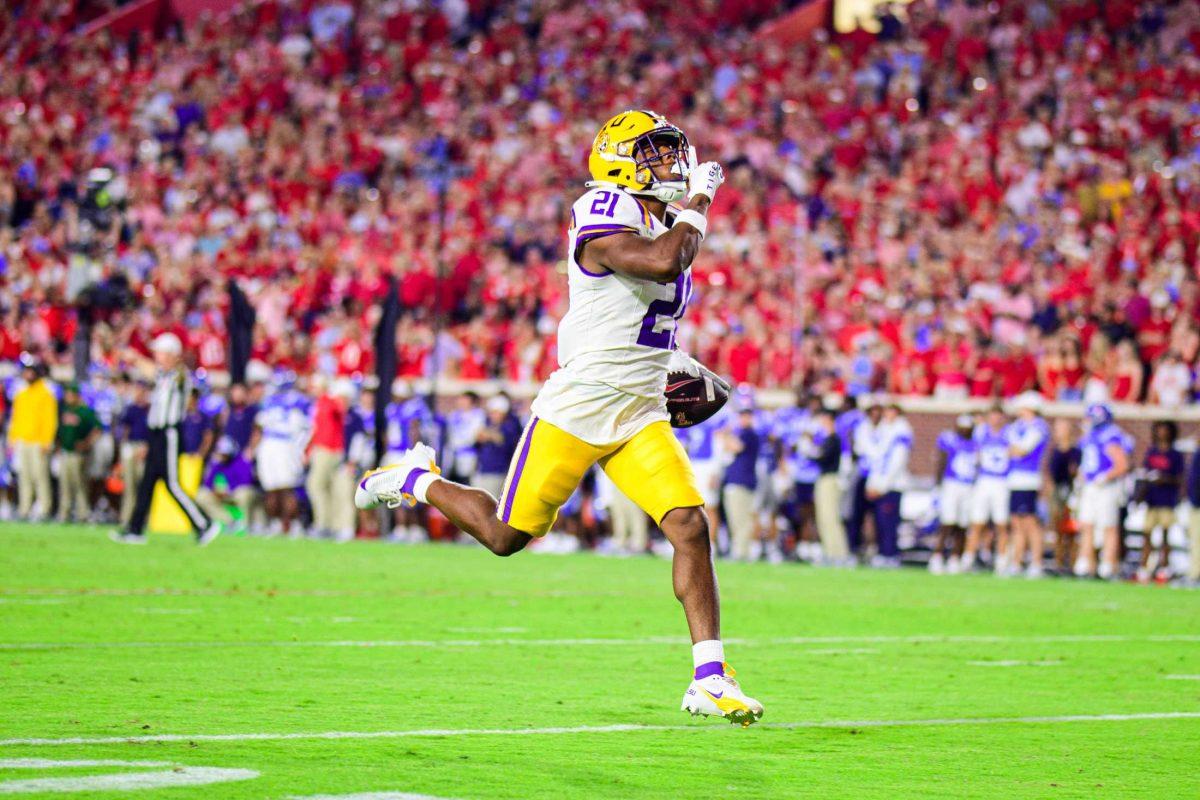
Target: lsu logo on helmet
630, 144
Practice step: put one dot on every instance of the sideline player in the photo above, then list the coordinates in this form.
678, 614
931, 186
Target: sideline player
629, 276
801, 439
1105, 461
990, 497
282, 429
957, 465
1028, 440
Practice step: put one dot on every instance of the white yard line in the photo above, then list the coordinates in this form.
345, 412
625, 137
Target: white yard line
1015, 663
442, 732
166, 591
267, 591
176, 775
53, 763
613, 642
1181, 677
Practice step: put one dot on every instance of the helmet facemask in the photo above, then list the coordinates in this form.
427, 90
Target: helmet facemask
652, 150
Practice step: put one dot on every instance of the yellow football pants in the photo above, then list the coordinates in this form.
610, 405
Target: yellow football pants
651, 468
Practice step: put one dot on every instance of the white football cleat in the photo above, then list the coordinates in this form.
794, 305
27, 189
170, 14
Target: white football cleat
721, 696
394, 484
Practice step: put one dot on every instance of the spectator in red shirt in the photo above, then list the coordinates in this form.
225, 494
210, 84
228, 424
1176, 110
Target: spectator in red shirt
741, 357
1127, 375
1018, 373
330, 482
868, 203
1154, 335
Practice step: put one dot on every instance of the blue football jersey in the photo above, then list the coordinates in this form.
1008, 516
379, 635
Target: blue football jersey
1094, 447
994, 460
962, 457
104, 401
803, 439
401, 418
285, 416
1032, 437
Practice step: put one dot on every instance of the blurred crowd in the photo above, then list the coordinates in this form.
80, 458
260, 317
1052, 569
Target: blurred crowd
984, 198
824, 481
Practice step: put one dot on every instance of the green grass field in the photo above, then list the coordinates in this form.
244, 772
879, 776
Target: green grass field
453, 674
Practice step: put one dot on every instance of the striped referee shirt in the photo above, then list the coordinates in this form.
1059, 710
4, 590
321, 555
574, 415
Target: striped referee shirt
168, 403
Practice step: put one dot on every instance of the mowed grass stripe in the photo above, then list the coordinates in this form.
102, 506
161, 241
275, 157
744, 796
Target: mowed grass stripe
613, 642
553, 731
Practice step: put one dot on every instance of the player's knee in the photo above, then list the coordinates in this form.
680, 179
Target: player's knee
506, 548
507, 541
686, 527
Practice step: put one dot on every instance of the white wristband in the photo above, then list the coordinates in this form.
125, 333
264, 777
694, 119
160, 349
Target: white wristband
694, 218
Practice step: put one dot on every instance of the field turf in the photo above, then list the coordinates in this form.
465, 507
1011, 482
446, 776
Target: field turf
267, 665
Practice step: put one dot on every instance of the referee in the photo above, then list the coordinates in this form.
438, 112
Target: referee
168, 404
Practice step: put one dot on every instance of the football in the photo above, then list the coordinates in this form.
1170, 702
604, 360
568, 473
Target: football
691, 399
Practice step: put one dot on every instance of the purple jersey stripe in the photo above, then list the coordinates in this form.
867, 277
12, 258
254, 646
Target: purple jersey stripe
645, 212
607, 226
589, 232
591, 274
516, 476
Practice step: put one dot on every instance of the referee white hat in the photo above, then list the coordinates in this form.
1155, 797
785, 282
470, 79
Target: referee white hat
167, 343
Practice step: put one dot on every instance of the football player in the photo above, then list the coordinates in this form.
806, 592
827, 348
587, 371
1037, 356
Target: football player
1107, 451
1029, 439
957, 465
629, 276
990, 495
282, 429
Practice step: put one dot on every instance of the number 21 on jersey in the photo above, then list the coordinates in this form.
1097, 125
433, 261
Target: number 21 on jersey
663, 313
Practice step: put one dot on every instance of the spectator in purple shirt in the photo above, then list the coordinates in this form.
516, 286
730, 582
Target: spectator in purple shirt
239, 417
742, 441
1164, 476
228, 481
495, 445
196, 432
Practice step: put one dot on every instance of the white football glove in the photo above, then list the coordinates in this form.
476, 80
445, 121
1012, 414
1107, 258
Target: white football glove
680, 361
704, 179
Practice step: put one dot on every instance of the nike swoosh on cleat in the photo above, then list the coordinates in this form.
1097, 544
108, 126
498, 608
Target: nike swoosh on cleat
371, 473
727, 705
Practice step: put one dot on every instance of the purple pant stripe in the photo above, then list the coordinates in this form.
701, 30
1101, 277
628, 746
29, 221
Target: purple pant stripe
516, 476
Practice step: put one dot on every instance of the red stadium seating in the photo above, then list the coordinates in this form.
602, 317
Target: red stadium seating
979, 200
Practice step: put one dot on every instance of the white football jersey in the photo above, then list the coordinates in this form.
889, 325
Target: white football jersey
615, 341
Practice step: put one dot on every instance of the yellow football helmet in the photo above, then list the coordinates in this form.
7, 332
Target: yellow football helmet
630, 144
